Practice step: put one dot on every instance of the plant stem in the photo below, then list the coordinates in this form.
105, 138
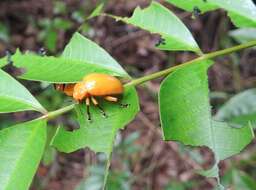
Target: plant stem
53, 114
199, 59
108, 163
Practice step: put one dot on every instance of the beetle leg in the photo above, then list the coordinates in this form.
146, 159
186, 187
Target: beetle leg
63, 87
111, 98
87, 102
95, 102
115, 99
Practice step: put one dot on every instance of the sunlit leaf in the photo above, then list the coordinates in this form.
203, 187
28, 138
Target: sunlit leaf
241, 12
21, 148
158, 19
57, 69
84, 50
15, 97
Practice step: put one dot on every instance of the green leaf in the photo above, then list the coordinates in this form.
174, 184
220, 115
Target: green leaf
158, 19
239, 180
82, 49
4, 32
49, 152
63, 24
241, 12
98, 139
228, 141
185, 114
57, 70
178, 185
243, 35
213, 172
51, 39
15, 97
94, 181
184, 105
240, 109
21, 148
96, 11
98, 134
189, 5
3, 61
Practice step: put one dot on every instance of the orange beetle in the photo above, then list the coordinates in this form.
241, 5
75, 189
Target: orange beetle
94, 85
66, 88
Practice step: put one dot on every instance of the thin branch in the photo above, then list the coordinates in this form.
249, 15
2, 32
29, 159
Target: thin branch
135, 82
197, 60
56, 113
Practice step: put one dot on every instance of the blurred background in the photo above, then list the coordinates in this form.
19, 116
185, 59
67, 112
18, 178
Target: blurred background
141, 160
